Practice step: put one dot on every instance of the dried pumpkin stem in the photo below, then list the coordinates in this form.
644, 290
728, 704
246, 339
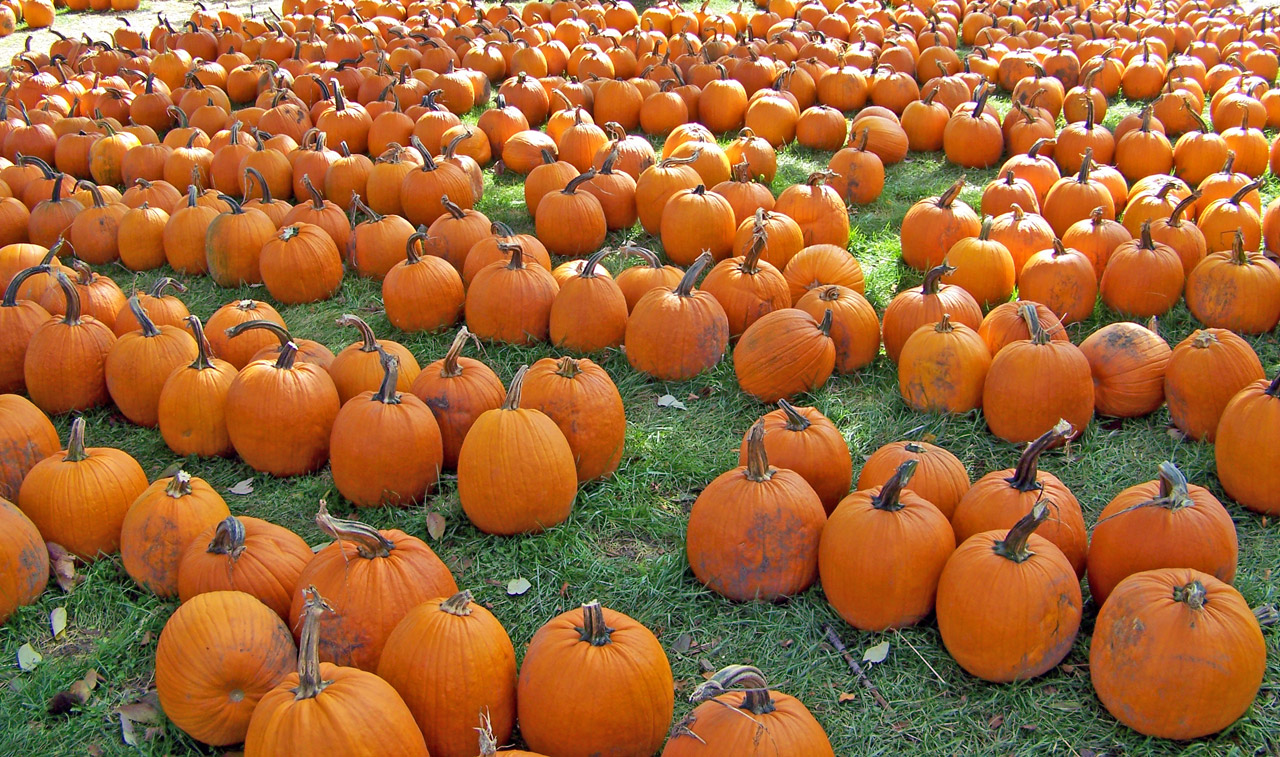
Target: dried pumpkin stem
889, 497
166, 282
567, 367
11, 291
933, 279
687, 283
75, 442
1025, 476
795, 421
140, 314
72, 295
368, 541
387, 393
594, 630
758, 469
744, 678
203, 349
1014, 545
228, 538
459, 604
512, 401
309, 682
180, 485
1192, 595
953, 192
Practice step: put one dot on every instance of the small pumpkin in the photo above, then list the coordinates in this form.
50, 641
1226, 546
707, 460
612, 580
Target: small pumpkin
247, 555
160, 525
932, 225
64, 366
589, 313
1246, 468
359, 367
140, 362
939, 476
942, 367
582, 400
1204, 372
784, 353
675, 333
26, 438
511, 301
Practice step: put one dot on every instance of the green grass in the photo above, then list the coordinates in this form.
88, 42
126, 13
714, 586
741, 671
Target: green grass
624, 543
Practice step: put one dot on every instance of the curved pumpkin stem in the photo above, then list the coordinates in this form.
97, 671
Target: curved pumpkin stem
1014, 545
228, 539
512, 400
953, 192
72, 295
594, 630
744, 678
758, 469
589, 267
1026, 474
933, 279
459, 604
75, 442
369, 542
687, 283
1032, 318
11, 291
451, 367
387, 393
368, 342
795, 421
166, 282
203, 349
648, 256
288, 348
262, 183
140, 314
889, 496
309, 682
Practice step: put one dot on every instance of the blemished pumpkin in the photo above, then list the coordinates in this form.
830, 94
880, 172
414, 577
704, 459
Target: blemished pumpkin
450, 659
939, 477
1009, 604
248, 555
738, 714
747, 287
942, 367
160, 525
372, 578
64, 367
458, 390
516, 471
217, 656
1128, 363
804, 440
582, 400
932, 225
881, 554
191, 409
615, 657
675, 333
1204, 372
140, 362
359, 367
784, 353
1199, 638
924, 305
78, 497
511, 300
1166, 523
336, 707
753, 531
589, 313
26, 437
24, 560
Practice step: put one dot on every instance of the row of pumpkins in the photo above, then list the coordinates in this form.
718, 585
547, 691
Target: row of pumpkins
1161, 551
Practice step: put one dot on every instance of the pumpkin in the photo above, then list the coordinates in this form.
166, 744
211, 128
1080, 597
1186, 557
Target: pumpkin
458, 390
320, 212
217, 656
747, 287
1204, 372
570, 222
818, 208
359, 366
931, 226
582, 400
190, 412
300, 264
1018, 405
1245, 467
857, 173
280, 413
637, 280
185, 232
746, 197
1198, 638
1062, 279
753, 531
19, 320
913, 308
160, 525
983, 267
1166, 523
939, 477
94, 232
1097, 237
78, 497
1128, 364
675, 333
26, 438
373, 578
855, 329
1000, 498
738, 714
385, 447
1000, 195
23, 556
1183, 236
1235, 290
100, 296
973, 139
1073, 197
1036, 168
942, 367
140, 362
516, 471
616, 191
233, 244
450, 659
784, 353
1005, 325
422, 189
804, 440
1009, 603
161, 308
247, 555
374, 244
1222, 219
64, 367
336, 706
694, 220
881, 554
589, 313
822, 264
511, 301
610, 654
657, 183
423, 292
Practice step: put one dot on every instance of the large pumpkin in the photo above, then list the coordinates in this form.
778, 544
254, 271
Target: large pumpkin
450, 659
623, 666
933, 225
24, 560
516, 470
1178, 632
1205, 371
218, 655
160, 525
753, 531
881, 554
1128, 363
912, 308
1009, 603
372, 578
26, 438
942, 367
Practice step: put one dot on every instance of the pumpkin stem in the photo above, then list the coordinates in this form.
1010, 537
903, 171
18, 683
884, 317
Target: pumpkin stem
140, 314
1039, 335
593, 629
309, 682
75, 442
488, 744
889, 496
948, 197
387, 393
1085, 166
459, 604
203, 349
825, 324
512, 401
1034, 152
744, 678
589, 267
72, 295
650, 259
1175, 218
758, 469
228, 538
568, 367
368, 541
943, 326
578, 181
287, 344
1014, 545
795, 421
262, 182
11, 291
180, 485
368, 342
166, 282
515, 250
451, 368
1026, 474
759, 238
686, 285
1193, 595
933, 279
317, 199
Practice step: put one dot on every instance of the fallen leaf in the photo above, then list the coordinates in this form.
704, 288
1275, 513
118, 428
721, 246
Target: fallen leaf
929, 438
682, 643
708, 674
707, 666
62, 565
846, 697
1027, 727
786, 643
126, 731
435, 525
152, 732
242, 488
669, 400
1068, 669
146, 709
995, 722
518, 586
564, 589
877, 654
95, 750
28, 657
58, 621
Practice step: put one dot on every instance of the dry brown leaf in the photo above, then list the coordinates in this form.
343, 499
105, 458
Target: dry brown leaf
846, 697
62, 566
435, 525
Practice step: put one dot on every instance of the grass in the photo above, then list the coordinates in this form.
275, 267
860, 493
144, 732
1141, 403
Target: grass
624, 543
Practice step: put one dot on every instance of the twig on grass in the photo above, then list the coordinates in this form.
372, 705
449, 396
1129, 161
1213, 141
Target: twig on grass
858, 673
